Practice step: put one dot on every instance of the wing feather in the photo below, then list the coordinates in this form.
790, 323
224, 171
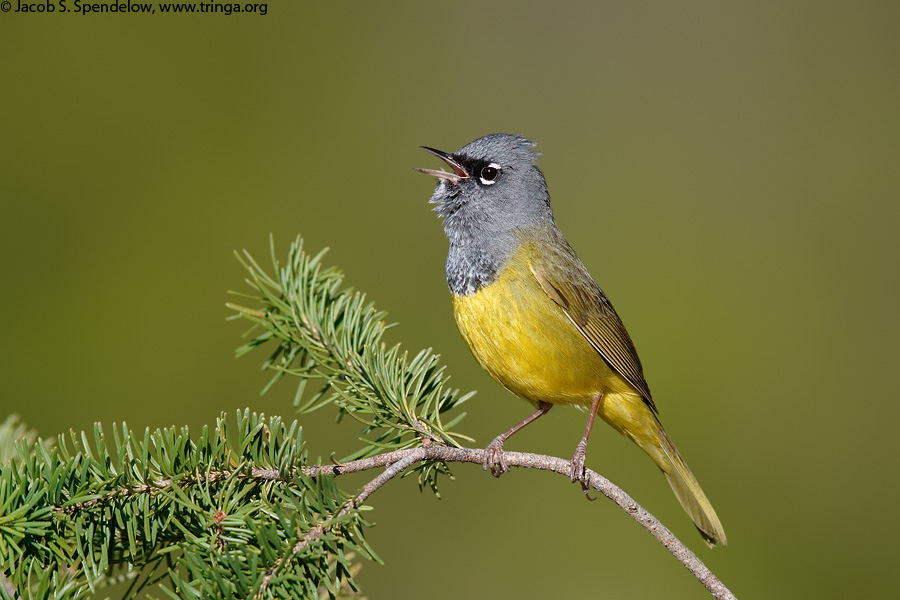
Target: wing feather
566, 281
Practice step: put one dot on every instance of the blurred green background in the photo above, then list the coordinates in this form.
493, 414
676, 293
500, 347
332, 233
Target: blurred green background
727, 171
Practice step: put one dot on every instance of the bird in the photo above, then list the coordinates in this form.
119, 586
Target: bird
536, 320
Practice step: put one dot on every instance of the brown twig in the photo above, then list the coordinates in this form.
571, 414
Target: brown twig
531, 461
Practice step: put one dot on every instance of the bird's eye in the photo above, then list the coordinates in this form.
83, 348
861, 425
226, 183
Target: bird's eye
489, 174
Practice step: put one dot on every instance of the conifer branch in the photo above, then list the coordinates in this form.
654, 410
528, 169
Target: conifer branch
333, 337
238, 511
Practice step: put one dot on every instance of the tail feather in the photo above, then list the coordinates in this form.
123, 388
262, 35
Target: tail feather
632, 417
689, 494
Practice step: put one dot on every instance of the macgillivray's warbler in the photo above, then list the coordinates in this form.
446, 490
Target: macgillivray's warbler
535, 319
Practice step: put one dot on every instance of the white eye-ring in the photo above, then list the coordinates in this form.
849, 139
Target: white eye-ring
489, 174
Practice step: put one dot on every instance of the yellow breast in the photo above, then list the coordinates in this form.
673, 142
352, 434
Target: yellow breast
526, 342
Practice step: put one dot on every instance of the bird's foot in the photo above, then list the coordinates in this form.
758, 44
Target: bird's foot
493, 458
578, 472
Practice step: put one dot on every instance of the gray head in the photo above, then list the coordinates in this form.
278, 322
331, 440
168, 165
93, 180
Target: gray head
493, 192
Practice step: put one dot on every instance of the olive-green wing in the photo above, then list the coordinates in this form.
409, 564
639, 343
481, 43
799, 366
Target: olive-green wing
565, 280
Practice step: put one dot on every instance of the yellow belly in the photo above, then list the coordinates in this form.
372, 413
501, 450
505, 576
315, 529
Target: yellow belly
526, 342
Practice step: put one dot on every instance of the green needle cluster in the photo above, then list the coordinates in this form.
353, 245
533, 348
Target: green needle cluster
236, 511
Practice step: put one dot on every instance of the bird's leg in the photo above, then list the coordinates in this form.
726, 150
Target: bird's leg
578, 473
493, 454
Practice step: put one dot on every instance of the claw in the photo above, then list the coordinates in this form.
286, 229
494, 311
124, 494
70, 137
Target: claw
493, 454
578, 472
578, 462
493, 458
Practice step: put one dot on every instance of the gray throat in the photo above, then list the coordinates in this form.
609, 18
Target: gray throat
476, 258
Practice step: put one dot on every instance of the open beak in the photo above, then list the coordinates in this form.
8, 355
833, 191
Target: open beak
458, 174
